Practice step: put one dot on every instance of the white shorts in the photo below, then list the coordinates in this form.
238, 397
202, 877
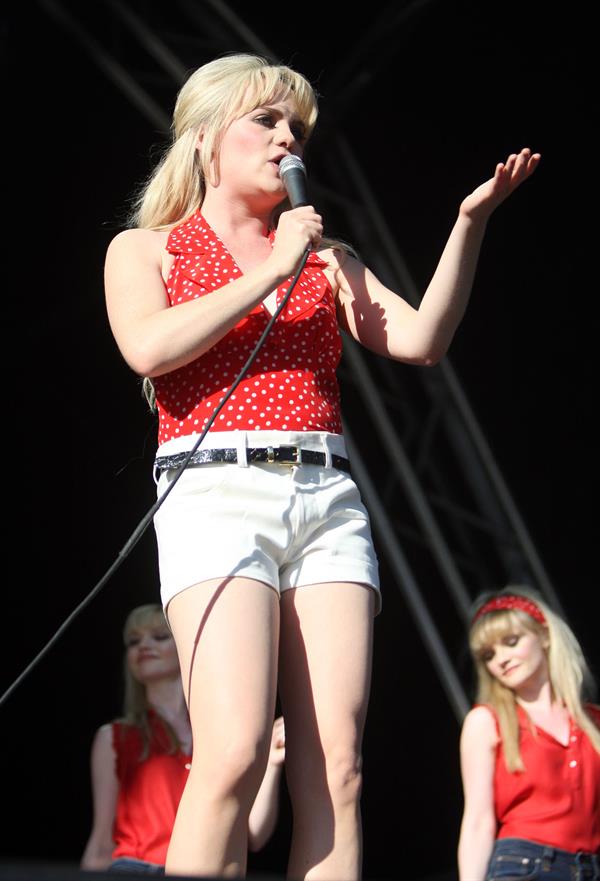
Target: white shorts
285, 525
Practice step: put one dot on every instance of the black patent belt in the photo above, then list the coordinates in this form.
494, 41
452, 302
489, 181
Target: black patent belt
277, 455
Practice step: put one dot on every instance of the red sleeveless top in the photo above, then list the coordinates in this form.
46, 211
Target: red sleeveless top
556, 800
149, 792
292, 384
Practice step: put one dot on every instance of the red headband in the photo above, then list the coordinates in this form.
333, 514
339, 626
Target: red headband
510, 601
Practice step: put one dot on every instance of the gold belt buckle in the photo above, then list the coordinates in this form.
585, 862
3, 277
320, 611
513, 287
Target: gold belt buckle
294, 459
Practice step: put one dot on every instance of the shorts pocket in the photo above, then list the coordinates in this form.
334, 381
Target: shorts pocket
512, 867
196, 479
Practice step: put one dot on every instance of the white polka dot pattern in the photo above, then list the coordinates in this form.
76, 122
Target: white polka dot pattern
292, 384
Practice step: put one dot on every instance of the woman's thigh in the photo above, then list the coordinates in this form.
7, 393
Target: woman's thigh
227, 633
325, 669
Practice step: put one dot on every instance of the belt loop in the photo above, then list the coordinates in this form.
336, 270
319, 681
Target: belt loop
547, 857
582, 862
326, 440
242, 454
156, 472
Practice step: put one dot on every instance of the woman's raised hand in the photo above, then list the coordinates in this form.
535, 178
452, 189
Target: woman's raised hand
507, 177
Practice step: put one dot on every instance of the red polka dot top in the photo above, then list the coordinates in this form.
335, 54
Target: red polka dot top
292, 384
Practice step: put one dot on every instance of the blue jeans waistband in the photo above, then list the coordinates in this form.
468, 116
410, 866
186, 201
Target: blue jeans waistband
129, 865
584, 865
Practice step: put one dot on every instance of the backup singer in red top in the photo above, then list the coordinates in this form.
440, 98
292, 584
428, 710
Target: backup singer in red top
530, 749
268, 573
140, 762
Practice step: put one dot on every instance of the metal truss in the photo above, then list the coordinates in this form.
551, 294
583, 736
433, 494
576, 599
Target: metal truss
445, 523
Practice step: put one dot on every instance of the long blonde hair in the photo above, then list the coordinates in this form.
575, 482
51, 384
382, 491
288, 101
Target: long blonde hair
211, 98
135, 701
570, 677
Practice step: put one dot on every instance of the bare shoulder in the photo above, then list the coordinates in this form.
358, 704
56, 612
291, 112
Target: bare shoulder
133, 251
150, 242
102, 752
479, 726
104, 734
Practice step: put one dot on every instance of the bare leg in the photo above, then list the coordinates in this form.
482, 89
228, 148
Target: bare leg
226, 633
325, 673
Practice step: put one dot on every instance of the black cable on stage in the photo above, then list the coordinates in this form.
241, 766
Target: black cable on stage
147, 519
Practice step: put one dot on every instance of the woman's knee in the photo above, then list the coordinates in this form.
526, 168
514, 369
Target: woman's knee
236, 769
334, 773
344, 774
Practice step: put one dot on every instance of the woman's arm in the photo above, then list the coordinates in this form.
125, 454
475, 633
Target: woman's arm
105, 787
154, 338
385, 323
265, 809
478, 743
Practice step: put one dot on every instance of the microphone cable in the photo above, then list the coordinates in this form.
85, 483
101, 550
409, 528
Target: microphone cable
148, 517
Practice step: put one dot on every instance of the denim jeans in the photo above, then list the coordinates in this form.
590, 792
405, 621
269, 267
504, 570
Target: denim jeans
129, 866
514, 859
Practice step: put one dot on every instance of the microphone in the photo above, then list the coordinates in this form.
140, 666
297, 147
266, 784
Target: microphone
293, 175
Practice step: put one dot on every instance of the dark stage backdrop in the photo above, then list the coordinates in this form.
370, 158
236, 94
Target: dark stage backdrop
445, 97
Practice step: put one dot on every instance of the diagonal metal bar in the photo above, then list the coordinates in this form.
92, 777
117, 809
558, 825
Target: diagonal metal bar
113, 70
401, 464
374, 51
504, 496
407, 583
154, 46
234, 23
470, 422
